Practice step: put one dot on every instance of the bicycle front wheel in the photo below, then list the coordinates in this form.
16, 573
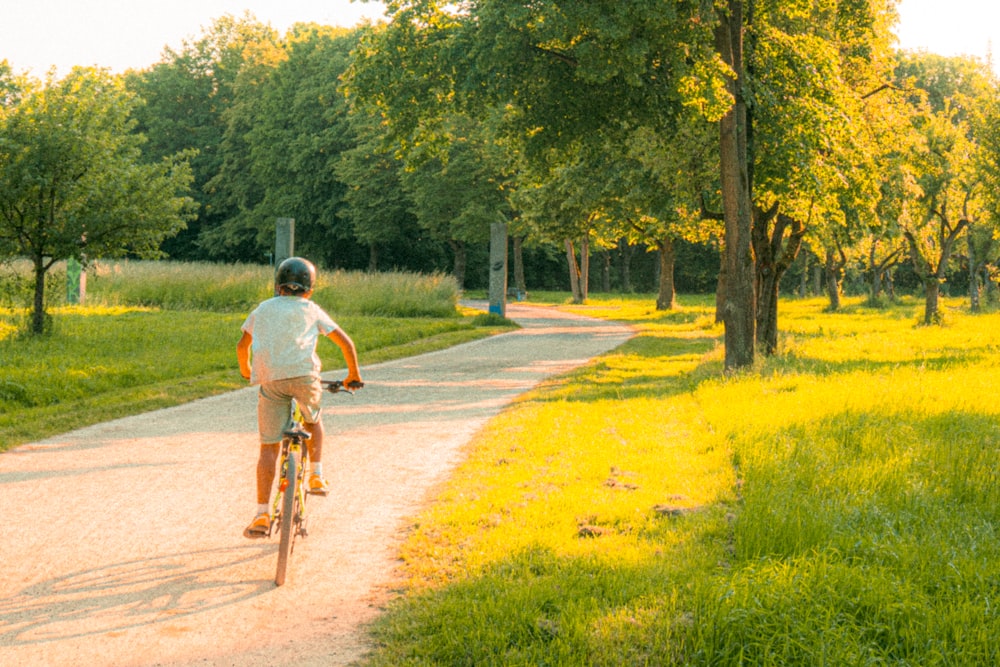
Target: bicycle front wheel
287, 516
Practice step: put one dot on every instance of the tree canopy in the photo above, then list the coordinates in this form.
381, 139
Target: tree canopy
72, 181
763, 133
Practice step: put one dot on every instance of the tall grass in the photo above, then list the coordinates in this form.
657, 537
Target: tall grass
837, 506
231, 288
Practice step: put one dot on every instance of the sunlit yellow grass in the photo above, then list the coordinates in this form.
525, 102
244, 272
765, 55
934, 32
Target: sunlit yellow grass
546, 473
838, 504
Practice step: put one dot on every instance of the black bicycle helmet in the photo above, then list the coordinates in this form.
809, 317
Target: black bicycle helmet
295, 275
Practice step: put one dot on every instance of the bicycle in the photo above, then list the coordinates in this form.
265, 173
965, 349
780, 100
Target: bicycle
289, 506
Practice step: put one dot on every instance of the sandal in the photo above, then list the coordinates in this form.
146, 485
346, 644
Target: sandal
259, 527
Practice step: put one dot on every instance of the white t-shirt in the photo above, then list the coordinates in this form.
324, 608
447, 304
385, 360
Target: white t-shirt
285, 330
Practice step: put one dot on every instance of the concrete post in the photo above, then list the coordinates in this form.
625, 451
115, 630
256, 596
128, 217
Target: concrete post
284, 240
498, 268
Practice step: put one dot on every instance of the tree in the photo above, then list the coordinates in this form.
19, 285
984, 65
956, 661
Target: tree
458, 190
285, 134
942, 162
375, 202
945, 208
72, 179
806, 70
563, 204
983, 245
186, 98
659, 184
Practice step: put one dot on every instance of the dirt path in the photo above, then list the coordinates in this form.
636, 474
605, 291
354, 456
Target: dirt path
122, 543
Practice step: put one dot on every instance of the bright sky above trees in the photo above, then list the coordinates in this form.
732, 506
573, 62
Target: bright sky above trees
123, 34
950, 27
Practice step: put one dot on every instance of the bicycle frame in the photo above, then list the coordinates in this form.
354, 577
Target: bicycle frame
288, 509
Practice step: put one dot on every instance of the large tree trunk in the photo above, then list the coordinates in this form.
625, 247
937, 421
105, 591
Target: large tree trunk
574, 272
372, 258
931, 302
739, 309
38, 310
461, 261
804, 278
831, 273
519, 282
974, 304
667, 297
876, 286
721, 286
775, 253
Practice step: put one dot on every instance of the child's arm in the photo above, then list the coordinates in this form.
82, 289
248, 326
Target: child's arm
346, 345
243, 354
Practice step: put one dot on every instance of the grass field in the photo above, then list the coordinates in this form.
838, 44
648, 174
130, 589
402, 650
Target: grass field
154, 335
838, 506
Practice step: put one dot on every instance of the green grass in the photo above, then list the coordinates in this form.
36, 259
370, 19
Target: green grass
837, 506
154, 335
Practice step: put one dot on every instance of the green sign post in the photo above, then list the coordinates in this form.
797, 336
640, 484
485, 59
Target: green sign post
76, 282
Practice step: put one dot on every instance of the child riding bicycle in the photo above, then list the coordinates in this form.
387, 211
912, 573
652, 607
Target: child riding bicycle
280, 337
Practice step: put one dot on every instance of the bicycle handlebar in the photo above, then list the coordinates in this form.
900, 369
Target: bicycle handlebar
335, 386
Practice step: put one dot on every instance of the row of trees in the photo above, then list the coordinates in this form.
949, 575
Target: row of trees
779, 121
754, 127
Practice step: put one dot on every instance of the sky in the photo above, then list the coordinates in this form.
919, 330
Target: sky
122, 34
131, 34
949, 27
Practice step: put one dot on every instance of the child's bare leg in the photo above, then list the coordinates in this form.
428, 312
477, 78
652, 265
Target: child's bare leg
266, 464
315, 441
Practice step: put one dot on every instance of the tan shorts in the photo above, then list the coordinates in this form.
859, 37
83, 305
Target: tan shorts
274, 404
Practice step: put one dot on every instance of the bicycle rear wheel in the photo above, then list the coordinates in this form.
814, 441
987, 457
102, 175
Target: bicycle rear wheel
287, 517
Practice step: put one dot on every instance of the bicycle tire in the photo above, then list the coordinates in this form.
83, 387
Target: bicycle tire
287, 518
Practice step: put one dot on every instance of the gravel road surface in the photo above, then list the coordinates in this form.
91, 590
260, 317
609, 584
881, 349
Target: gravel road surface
122, 543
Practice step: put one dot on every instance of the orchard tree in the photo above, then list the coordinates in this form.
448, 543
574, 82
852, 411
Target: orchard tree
577, 199
799, 124
988, 158
73, 182
942, 158
659, 189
